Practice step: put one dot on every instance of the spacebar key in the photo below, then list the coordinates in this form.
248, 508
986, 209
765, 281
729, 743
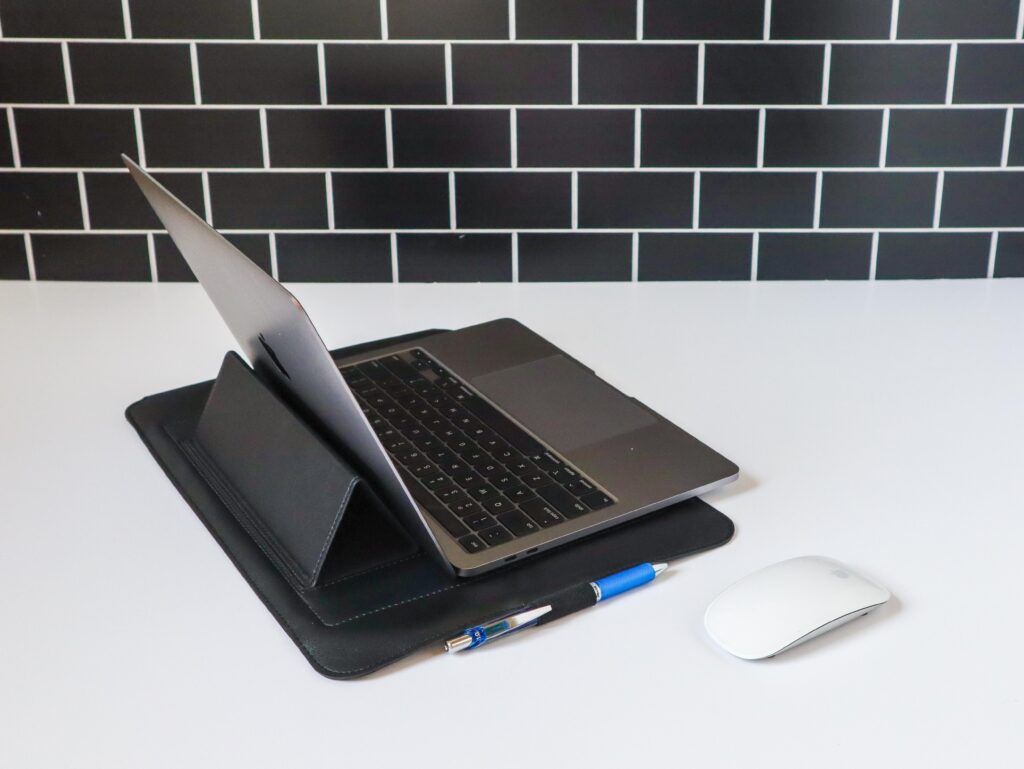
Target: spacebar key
502, 425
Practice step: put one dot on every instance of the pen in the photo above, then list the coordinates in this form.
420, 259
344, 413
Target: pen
557, 605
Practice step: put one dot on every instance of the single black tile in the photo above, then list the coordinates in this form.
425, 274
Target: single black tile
223, 19
763, 74
693, 256
448, 19
430, 138
952, 19
81, 18
74, 137
39, 201
382, 201
698, 137
877, 199
385, 74
635, 199
589, 137
91, 257
524, 200
814, 256
703, 19
454, 258
818, 137
13, 263
989, 73
1016, 154
983, 199
575, 256
638, 74
32, 73
207, 138
259, 73
320, 19
932, 255
950, 137
116, 203
171, 266
888, 74
253, 201
832, 20
321, 138
6, 150
131, 73
334, 257
512, 74
761, 200
576, 20
1009, 255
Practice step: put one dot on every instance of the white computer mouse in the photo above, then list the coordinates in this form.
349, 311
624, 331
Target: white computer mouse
785, 604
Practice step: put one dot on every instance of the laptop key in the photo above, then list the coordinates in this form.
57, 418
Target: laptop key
472, 544
482, 492
596, 500
421, 469
563, 501
518, 523
535, 479
504, 481
519, 494
496, 505
479, 520
541, 512
466, 508
564, 475
579, 487
447, 492
496, 535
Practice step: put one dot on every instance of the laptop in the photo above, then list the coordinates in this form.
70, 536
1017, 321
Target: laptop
488, 442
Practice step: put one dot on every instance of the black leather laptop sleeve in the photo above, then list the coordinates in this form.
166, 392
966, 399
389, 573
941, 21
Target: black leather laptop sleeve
329, 561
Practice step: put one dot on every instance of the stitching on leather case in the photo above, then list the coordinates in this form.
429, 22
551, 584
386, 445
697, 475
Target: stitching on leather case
369, 570
334, 528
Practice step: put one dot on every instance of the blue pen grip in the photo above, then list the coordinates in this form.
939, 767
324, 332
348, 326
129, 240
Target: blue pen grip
625, 580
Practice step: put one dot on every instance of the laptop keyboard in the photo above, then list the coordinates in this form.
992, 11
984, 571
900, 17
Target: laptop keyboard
481, 476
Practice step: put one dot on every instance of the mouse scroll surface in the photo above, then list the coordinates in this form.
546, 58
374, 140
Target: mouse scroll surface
788, 603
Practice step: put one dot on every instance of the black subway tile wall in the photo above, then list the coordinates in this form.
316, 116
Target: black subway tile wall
488, 140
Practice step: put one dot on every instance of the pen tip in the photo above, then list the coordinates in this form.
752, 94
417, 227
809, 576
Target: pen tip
659, 567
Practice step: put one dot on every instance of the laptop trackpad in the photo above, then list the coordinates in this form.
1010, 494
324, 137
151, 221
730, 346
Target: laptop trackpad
562, 402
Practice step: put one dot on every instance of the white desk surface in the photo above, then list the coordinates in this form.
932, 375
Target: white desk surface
880, 424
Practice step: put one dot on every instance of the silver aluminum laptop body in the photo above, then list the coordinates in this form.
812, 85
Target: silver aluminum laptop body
641, 460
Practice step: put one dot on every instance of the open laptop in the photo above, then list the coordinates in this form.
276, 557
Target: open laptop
490, 443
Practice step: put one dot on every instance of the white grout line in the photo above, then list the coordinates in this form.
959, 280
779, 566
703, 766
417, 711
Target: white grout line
894, 19
449, 88
634, 270
394, 257
383, 19
389, 138
939, 183
86, 224
767, 19
15, 150
826, 72
883, 145
511, 19
513, 134
992, 246
330, 200
575, 73
639, 19
700, 73
140, 144
273, 255
575, 199
636, 137
321, 66
68, 82
515, 257
127, 14
755, 245
696, 199
760, 137
151, 250
197, 94
1020, 20
264, 138
1007, 131
256, 19
206, 198
451, 200
30, 257
817, 200
951, 75
873, 268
